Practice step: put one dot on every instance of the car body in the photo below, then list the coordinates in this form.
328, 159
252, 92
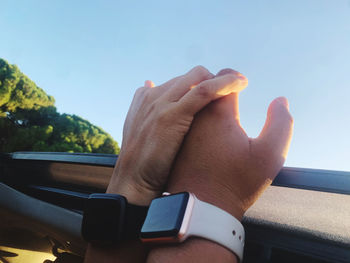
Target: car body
303, 217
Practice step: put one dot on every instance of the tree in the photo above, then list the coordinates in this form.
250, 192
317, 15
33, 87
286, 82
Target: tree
29, 120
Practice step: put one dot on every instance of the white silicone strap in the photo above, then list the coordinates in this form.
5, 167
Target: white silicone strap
210, 222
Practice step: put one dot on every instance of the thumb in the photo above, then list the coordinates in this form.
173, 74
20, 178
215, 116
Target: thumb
276, 134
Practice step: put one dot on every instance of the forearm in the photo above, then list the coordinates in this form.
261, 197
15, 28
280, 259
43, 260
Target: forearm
129, 252
193, 250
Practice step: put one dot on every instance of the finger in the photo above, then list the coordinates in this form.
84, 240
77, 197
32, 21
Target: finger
161, 89
170, 83
230, 71
149, 84
276, 134
210, 90
185, 83
226, 71
227, 106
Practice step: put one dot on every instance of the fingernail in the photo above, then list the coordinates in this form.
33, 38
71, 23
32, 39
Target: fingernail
226, 71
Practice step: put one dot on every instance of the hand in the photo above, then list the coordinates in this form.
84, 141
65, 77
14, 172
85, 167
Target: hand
157, 121
221, 164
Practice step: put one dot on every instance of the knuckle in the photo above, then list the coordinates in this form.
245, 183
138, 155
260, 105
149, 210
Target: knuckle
204, 90
144, 94
140, 91
163, 117
201, 71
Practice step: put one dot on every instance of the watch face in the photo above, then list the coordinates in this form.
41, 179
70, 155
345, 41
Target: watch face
165, 216
103, 218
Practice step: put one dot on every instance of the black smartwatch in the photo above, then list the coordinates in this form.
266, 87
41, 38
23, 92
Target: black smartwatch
109, 219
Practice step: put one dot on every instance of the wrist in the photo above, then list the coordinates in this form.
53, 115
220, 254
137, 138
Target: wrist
135, 194
198, 220
123, 183
193, 250
217, 195
223, 200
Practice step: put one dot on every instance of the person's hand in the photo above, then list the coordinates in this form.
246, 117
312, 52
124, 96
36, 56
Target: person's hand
221, 164
157, 121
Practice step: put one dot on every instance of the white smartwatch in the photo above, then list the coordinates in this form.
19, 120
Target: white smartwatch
174, 218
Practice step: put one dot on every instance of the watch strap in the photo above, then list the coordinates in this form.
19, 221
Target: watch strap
134, 217
212, 223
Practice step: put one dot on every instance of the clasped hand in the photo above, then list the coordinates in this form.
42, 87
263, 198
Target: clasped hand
185, 135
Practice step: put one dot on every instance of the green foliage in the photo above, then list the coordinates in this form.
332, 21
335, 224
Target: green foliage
29, 120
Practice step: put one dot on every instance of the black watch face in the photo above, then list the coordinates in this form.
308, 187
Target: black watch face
165, 215
103, 218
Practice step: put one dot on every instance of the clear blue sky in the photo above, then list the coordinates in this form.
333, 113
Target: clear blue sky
92, 55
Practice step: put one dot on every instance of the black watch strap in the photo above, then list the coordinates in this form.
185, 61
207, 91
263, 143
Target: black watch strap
109, 219
134, 218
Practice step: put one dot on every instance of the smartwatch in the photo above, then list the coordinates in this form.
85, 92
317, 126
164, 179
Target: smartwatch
174, 218
109, 219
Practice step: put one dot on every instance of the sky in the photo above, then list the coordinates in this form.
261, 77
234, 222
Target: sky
92, 56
